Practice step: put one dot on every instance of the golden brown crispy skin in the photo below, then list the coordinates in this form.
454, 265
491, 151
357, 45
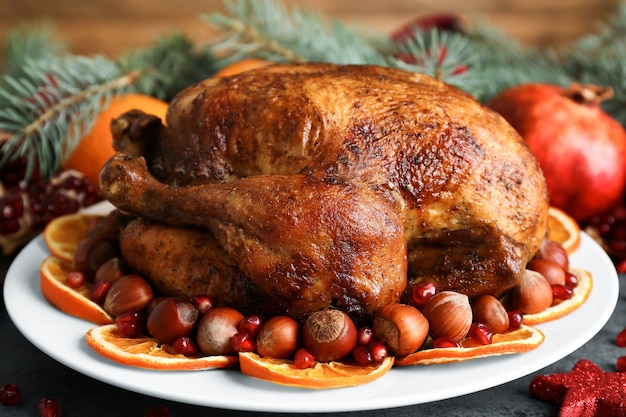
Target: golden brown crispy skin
447, 176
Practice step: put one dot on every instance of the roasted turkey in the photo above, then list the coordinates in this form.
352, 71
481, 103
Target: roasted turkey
298, 187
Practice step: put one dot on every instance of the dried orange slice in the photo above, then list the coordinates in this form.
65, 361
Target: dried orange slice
146, 352
52, 274
580, 295
524, 339
323, 375
63, 233
564, 229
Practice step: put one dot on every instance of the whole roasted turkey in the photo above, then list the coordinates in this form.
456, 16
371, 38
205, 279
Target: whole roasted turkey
297, 187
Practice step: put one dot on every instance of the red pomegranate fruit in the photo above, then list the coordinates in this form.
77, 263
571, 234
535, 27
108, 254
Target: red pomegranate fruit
580, 148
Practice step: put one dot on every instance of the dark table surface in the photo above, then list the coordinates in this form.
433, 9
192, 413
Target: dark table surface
39, 376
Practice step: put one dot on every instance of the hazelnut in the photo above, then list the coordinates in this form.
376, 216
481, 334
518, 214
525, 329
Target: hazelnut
449, 315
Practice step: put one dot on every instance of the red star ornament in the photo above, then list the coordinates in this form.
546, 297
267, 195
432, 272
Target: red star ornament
586, 391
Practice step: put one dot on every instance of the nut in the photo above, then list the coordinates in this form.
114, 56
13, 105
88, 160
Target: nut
449, 315
131, 292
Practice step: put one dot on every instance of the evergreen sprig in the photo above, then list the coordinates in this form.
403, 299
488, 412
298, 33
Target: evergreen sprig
53, 105
268, 30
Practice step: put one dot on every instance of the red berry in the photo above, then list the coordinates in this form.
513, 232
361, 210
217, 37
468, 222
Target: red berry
561, 292
445, 342
422, 293
378, 351
620, 339
99, 290
620, 364
158, 411
10, 394
185, 346
364, 336
571, 280
250, 324
129, 324
516, 318
203, 303
243, 342
481, 333
48, 408
303, 359
75, 279
362, 355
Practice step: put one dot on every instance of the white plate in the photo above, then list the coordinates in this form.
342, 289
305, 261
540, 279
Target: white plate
62, 338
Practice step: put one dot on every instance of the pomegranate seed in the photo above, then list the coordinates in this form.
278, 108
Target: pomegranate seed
75, 279
10, 394
516, 318
620, 339
48, 408
362, 355
481, 333
203, 303
422, 293
185, 346
571, 280
378, 351
620, 364
98, 291
561, 292
445, 342
250, 325
129, 324
303, 359
158, 411
364, 336
243, 342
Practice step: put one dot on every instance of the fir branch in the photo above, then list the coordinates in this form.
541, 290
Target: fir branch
54, 105
168, 66
268, 30
29, 41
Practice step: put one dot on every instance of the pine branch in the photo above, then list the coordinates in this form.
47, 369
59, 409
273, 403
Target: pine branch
54, 105
266, 29
29, 41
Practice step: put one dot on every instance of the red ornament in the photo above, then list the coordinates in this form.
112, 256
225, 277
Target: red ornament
586, 391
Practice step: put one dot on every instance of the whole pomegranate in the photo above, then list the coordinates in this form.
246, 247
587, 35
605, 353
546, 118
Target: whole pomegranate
580, 148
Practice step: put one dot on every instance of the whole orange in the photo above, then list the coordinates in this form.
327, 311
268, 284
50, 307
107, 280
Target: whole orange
96, 147
242, 66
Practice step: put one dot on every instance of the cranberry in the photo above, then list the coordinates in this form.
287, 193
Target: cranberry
203, 302
481, 333
75, 279
250, 324
516, 318
185, 346
364, 336
303, 359
620, 339
362, 355
561, 292
378, 351
445, 342
620, 364
99, 290
158, 411
48, 408
243, 342
422, 293
10, 394
129, 324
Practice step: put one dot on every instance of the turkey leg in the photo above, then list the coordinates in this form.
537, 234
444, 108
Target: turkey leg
307, 243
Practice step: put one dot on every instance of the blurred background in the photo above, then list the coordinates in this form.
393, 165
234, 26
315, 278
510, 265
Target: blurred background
111, 27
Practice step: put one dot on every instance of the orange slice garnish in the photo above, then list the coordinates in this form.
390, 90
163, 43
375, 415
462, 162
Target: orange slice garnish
63, 233
75, 302
564, 229
242, 66
322, 376
524, 339
580, 295
148, 353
